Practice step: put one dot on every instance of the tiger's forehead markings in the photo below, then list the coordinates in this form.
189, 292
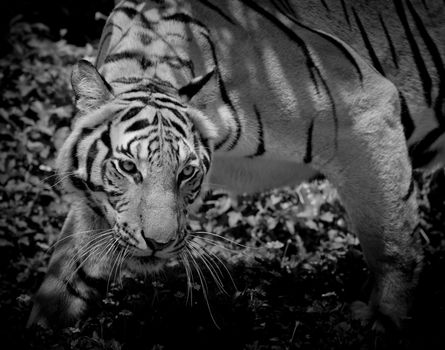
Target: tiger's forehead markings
150, 134
124, 85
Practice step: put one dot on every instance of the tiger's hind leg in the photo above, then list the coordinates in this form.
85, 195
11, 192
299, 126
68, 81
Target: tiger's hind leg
75, 277
372, 173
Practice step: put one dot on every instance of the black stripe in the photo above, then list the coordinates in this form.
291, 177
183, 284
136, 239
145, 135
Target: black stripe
288, 7
206, 163
424, 159
375, 60
128, 11
93, 187
196, 138
193, 87
102, 42
136, 139
78, 183
127, 80
325, 5
345, 12
145, 23
410, 190
121, 206
142, 99
178, 128
420, 153
308, 156
140, 88
175, 62
310, 63
407, 120
205, 143
74, 158
329, 38
438, 63
420, 64
217, 10
99, 284
169, 100
260, 148
184, 18
114, 193
91, 157
106, 140
138, 125
145, 39
73, 291
137, 56
165, 122
105, 136
222, 141
156, 118
225, 96
84, 186
162, 86
124, 151
135, 2
131, 113
178, 115
390, 42
334, 110
112, 24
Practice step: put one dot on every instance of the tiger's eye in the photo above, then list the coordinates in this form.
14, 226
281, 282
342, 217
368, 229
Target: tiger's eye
128, 166
188, 171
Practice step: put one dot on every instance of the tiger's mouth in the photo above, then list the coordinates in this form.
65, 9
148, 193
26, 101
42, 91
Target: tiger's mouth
145, 263
150, 259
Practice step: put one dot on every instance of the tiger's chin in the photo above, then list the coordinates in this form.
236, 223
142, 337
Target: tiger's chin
146, 264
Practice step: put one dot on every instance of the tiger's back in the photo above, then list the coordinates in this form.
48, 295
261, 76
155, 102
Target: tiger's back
404, 41
257, 44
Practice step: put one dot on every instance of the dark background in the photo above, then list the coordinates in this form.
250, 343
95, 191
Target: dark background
78, 17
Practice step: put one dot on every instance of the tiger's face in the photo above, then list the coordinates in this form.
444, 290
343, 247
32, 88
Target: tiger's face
150, 178
140, 159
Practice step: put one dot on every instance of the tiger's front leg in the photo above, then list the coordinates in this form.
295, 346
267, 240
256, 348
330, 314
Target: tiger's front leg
373, 175
78, 272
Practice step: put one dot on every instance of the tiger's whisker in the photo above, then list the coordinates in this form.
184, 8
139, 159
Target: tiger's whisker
215, 273
189, 274
59, 241
223, 238
216, 257
218, 244
204, 290
84, 256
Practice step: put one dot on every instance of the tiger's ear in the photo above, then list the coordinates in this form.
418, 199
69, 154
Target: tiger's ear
90, 88
191, 89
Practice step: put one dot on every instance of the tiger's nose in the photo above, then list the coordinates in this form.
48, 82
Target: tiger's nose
154, 245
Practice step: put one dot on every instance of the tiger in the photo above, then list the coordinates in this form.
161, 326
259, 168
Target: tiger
249, 95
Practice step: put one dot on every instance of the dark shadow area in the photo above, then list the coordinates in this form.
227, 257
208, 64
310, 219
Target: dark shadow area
78, 21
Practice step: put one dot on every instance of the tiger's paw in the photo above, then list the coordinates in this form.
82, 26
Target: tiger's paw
36, 318
387, 331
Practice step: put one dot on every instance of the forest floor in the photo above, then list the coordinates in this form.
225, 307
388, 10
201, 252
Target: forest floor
288, 264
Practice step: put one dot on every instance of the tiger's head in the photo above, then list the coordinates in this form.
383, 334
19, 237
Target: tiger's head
137, 157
